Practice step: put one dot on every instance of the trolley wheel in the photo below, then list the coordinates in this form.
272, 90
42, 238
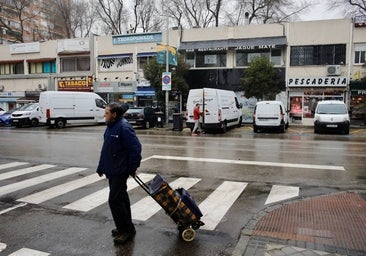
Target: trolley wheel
188, 234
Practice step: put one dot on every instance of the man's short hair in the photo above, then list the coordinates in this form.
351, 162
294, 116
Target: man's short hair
115, 107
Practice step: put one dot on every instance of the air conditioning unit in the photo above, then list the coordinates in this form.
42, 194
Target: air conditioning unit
334, 70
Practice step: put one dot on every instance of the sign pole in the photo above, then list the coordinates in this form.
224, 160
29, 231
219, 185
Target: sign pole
167, 69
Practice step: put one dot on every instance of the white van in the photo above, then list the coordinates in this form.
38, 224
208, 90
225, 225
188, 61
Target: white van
26, 115
221, 108
61, 108
331, 115
271, 114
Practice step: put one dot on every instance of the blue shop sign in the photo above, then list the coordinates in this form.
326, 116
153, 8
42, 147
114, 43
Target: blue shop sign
137, 38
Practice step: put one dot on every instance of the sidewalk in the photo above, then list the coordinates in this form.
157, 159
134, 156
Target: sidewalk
332, 224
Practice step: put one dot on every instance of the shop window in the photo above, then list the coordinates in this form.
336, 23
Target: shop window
210, 59
243, 58
143, 61
74, 64
318, 55
190, 58
11, 68
42, 67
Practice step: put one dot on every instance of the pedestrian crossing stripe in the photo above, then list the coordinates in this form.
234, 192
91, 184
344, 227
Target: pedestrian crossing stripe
218, 203
28, 252
38, 180
23, 171
214, 207
100, 197
139, 210
12, 164
280, 193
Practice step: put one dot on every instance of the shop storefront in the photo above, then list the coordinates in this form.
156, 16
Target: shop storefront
358, 102
304, 94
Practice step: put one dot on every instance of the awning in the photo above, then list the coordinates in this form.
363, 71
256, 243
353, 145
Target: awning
8, 99
41, 60
114, 56
10, 61
146, 54
234, 43
145, 93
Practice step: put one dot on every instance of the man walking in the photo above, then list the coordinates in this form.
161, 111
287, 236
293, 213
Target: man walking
196, 117
120, 157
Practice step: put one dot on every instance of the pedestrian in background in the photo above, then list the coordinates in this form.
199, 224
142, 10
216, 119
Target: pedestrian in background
120, 157
196, 117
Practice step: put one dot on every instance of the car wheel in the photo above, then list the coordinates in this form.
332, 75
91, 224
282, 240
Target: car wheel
346, 131
60, 123
240, 121
34, 122
224, 127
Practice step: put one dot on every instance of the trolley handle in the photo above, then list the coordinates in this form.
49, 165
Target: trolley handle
142, 184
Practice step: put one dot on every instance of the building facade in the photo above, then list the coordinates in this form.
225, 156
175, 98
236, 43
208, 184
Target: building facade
314, 60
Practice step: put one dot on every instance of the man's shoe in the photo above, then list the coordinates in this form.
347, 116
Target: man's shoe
124, 237
115, 232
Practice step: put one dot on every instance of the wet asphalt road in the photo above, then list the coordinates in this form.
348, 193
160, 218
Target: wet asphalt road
297, 158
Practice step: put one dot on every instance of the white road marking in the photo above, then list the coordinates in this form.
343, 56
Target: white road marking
10, 165
227, 161
53, 192
2, 247
19, 172
279, 193
28, 252
38, 180
147, 207
101, 196
12, 208
215, 206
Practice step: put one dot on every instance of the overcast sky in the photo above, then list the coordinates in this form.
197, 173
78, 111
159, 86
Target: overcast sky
319, 12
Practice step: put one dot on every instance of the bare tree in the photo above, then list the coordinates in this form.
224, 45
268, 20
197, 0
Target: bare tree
146, 16
265, 11
83, 18
349, 7
20, 9
61, 15
214, 9
113, 15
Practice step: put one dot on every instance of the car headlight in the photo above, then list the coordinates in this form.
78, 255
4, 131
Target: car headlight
27, 114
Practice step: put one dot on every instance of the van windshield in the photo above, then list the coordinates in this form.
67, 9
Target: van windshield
332, 109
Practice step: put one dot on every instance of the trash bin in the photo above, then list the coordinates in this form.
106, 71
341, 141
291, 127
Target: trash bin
177, 121
159, 119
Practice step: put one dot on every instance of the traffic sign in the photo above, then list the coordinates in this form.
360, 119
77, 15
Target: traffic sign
166, 81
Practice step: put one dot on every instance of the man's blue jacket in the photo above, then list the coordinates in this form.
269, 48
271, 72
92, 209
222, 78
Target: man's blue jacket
121, 151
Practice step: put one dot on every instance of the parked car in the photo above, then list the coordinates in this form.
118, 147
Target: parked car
5, 118
331, 115
270, 114
26, 115
141, 116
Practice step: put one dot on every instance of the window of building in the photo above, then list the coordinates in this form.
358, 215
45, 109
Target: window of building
190, 58
210, 59
11, 68
318, 55
360, 53
42, 67
244, 57
73, 64
143, 61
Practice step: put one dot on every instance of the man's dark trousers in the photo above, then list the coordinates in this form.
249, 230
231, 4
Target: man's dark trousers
119, 203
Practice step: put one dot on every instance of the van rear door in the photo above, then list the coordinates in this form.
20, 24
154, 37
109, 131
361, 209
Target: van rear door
211, 108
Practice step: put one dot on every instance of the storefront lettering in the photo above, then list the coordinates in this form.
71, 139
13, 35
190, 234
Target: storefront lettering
252, 47
361, 92
319, 81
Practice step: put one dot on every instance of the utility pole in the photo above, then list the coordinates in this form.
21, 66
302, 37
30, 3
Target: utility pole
167, 67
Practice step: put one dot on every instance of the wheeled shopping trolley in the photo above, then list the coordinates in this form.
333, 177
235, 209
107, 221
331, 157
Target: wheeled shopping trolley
178, 204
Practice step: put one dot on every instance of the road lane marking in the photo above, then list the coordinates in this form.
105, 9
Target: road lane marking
147, 207
215, 206
55, 191
38, 180
101, 196
12, 208
10, 165
228, 161
19, 172
28, 252
280, 193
